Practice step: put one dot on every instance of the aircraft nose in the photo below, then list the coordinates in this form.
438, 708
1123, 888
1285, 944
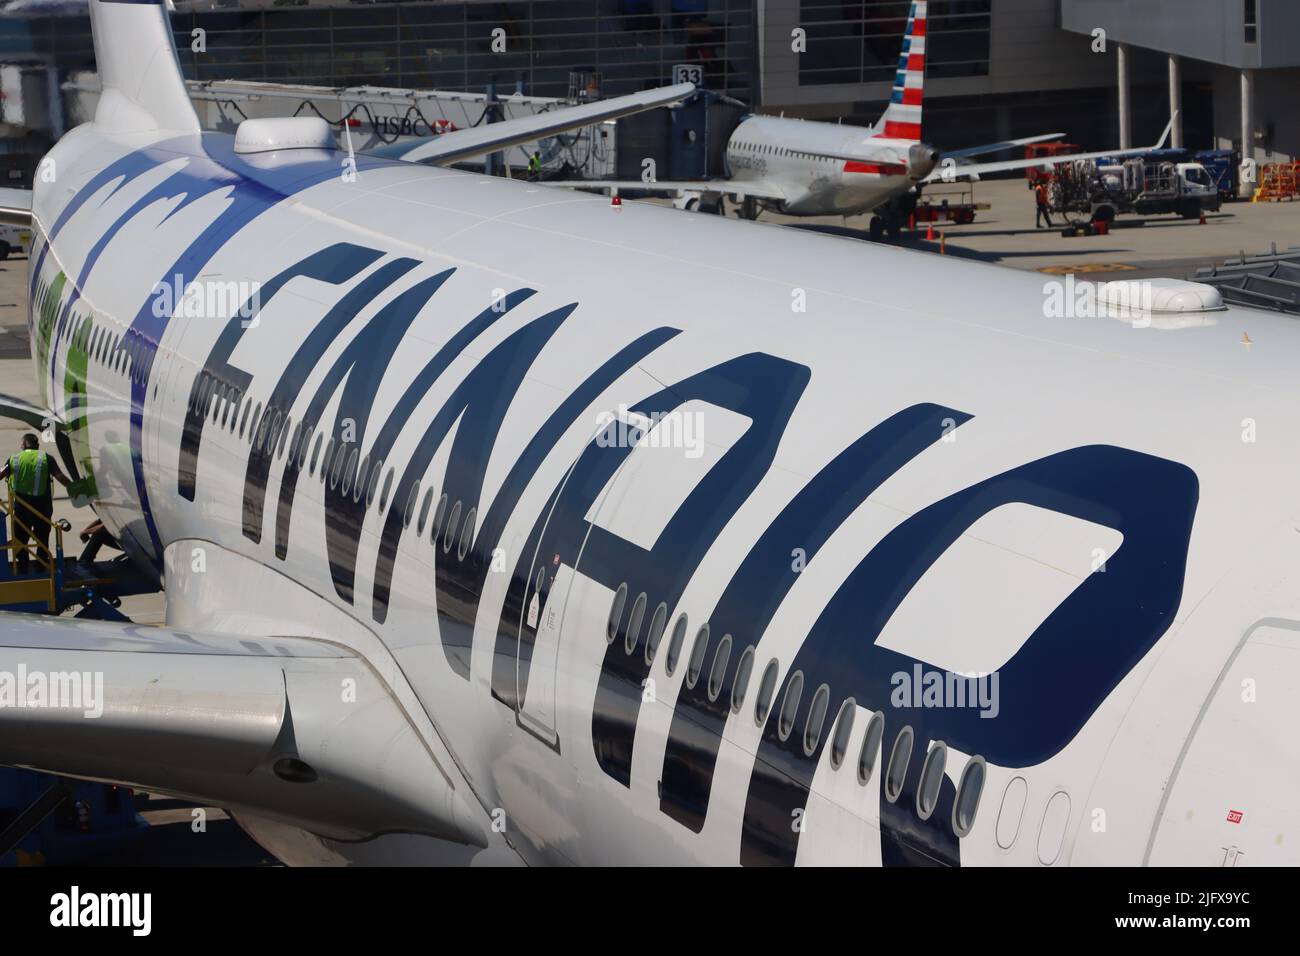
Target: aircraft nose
920, 160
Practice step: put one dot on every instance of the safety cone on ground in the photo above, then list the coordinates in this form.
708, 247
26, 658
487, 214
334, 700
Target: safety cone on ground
929, 232
1202, 222
615, 201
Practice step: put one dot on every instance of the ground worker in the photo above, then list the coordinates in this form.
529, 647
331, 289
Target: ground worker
1044, 210
29, 473
534, 167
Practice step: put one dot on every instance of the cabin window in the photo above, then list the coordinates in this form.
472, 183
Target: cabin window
718, 672
899, 758
284, 437
790, 705
437, 519
634, 623
696, 663
315, 453
616, 613
969, 790
741, 683
349, 471
383, 495
766, 688
466, 535
652, 639
812, 731
843, 730
409, 511
252, 422
449, 533
375, 472
675, 645
927, 791
870, 747
424, 512
359, 485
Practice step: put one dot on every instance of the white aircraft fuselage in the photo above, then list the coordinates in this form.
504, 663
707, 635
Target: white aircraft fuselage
810, 161
1057, 554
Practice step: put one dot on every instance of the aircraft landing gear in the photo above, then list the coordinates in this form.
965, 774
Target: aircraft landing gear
885, 224
749, 208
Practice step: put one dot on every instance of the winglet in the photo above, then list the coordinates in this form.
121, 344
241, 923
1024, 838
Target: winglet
1168, 129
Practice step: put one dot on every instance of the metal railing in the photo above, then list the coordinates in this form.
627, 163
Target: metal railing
39, 586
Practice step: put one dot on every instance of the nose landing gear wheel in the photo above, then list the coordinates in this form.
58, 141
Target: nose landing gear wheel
876, 229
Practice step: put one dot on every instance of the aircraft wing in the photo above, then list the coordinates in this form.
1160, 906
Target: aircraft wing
16, 206
998, 147
293, 729
947, 173
491, 137
758, 189
21, 410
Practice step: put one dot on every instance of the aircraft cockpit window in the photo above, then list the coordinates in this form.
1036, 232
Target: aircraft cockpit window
696, 663
721, 657
766, 688
870, 746
740, 686
675, 645
634, 623
812, 731
899, 758
652, 639
967, 802
927, 791
616, 613
790, 705
843, 730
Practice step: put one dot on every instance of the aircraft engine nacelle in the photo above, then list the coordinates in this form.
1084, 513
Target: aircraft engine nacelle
921, 159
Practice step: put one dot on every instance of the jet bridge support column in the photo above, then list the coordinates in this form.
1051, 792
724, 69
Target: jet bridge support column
1249, 176
1176, 101
1125, 111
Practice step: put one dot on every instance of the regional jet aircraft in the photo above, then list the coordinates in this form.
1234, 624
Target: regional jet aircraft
806, 168
499, 523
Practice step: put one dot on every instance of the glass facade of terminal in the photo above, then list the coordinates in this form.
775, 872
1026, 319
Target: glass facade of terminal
857, 41
631, 44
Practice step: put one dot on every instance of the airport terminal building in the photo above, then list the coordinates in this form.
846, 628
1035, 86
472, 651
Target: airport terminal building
996, 68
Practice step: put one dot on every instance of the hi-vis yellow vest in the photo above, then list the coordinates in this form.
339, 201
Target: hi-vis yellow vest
29, 473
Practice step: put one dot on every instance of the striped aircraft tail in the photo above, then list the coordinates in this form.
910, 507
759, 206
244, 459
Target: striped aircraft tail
902, 119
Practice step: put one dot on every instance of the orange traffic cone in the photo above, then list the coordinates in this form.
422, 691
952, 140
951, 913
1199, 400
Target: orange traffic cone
929, 232
1202, 222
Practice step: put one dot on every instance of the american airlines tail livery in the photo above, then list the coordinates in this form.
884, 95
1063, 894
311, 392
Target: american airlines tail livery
498, 523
